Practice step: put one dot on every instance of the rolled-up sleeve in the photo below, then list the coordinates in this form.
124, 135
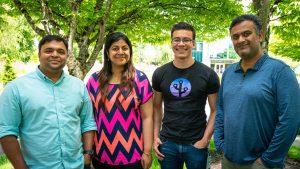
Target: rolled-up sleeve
86, 114
10, 112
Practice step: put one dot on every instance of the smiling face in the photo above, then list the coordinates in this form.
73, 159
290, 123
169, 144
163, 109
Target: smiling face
182, 44
52, 57
119, 53
245, 40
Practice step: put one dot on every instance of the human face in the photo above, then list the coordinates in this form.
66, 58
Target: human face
119, 53
182, 50
246, 41
52, 57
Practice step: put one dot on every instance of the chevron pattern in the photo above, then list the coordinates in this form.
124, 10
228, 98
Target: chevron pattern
119, 138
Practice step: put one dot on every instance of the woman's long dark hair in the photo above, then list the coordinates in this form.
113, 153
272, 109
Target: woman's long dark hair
105, 73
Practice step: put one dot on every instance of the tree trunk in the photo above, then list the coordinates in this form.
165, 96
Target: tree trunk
76, 68
262, 7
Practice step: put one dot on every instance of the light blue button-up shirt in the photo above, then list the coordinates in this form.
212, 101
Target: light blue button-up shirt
49, 119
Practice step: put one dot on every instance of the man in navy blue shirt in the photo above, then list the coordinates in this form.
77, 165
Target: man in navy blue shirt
258, 107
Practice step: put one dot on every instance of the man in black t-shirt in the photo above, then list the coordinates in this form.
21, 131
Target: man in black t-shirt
183, 85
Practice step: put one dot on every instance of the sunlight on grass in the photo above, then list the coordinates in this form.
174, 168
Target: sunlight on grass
294, 152
4, 163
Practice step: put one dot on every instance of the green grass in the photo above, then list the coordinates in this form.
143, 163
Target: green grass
4, 163
212, 147
294, 153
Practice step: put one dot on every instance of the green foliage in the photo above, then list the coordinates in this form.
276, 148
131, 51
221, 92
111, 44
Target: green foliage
155, 55
9, 73
286, 27
212, 147
4, 162
294, 152
144, 21
16, 38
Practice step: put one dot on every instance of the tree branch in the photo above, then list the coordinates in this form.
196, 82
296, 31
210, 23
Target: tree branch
274, 5
23, 10
46, 16
53, 22
74, 7
101, 34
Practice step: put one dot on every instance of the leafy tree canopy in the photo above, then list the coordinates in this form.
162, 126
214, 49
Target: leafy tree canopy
16, 37
85, 23
286, 29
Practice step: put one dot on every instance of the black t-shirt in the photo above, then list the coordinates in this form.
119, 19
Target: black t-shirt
184, 93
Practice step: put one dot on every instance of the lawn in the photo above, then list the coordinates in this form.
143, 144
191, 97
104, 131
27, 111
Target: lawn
293, 153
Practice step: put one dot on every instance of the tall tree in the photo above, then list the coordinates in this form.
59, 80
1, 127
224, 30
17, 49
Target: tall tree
85, 23
282, 19
262, 7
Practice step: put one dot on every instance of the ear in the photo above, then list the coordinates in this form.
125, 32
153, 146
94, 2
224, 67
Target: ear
261, 36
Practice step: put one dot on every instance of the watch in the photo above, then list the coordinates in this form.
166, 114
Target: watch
89, 152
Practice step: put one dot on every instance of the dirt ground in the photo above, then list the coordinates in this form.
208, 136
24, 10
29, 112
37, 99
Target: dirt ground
216, 162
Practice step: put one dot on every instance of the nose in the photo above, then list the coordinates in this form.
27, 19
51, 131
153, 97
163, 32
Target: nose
241, 39
55, 53
181, 42
120, 51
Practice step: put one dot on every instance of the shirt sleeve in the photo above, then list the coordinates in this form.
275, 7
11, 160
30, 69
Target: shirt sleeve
219, 121
288, 111
213, 84
155, 81
145, 88
92, 86
10, 111
86, 114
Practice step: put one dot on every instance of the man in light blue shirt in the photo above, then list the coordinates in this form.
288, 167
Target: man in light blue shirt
50, 112
258, 106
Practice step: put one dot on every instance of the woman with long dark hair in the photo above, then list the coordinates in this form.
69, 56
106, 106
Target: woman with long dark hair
123, 110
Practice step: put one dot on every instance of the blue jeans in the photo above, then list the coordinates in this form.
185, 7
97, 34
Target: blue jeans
176, 154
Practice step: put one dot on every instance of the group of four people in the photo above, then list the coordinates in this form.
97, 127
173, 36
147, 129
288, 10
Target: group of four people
254, 114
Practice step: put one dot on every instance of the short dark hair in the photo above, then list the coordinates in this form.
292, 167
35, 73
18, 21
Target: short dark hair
49, 38
247, 17
183, 26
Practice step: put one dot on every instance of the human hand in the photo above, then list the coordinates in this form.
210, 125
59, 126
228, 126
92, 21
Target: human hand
87, 160
146, 160
259, 162
158, 154
203, 143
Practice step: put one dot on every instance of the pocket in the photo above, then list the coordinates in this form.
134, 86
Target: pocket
163, 142
200, 149
203, 148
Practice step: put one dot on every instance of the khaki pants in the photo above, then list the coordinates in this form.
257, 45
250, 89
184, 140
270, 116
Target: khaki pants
226, 164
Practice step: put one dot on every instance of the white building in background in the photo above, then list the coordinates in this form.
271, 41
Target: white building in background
218, 55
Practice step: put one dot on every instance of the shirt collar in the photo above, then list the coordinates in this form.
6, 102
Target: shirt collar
257, 65
44, 77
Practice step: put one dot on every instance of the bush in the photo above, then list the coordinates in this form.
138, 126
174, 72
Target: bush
9, 73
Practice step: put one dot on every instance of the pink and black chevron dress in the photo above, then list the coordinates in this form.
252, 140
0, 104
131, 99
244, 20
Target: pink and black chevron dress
119, 138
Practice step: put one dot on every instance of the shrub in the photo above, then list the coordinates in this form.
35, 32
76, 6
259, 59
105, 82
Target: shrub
9, 73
